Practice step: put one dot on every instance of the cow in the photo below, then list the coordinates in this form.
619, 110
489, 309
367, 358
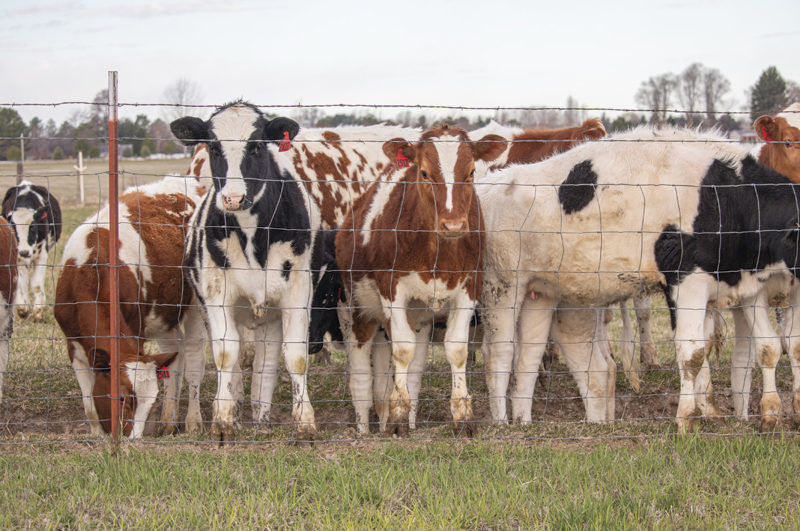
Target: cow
8, 280
155, 300
249, 257
410, 252
781, 152
688, 213
35, 216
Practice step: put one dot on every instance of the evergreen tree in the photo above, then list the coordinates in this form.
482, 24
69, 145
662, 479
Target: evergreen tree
768, 95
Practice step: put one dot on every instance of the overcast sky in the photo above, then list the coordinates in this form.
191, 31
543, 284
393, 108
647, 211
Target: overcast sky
471, 53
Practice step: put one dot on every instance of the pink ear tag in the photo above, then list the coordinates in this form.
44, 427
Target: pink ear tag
162, 372
285, 143
401, 161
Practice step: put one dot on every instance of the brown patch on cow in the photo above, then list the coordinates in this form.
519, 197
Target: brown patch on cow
8, 261
197, 163
534, 145
330, 136
407, 237
782, 149
82, 292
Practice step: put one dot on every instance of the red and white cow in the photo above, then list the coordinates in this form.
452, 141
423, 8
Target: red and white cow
155, 300
8, 281
781, 152
410, 252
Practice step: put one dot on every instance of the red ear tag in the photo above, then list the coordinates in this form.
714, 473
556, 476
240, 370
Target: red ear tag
162, 372
285, 143
44, 215
767, 138
401, 161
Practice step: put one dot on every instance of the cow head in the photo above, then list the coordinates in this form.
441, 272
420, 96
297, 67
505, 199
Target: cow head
328, 291
443, 163
31, 225
782, 135
237, 136
138, 387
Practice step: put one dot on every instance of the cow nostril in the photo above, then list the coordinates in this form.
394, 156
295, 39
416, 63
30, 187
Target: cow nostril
24, 254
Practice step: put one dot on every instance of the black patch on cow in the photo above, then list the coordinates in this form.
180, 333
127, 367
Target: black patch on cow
745, 222
287, 269
577, 190
328, 290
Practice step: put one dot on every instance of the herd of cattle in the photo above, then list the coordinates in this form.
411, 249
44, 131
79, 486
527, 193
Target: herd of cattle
374, 235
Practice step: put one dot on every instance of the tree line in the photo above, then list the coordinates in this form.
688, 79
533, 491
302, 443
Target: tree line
701, 93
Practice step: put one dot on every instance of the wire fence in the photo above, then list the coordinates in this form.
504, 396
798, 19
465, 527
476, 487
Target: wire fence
510, 321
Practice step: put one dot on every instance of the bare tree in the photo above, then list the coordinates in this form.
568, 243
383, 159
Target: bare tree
656, 95
690, 90
792, 92
715, 86
179, 94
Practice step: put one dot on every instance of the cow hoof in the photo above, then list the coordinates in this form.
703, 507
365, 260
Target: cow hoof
167, 429
222, 433
23, 311
686, 425
323, 357
400, 429
38, 316
193, 426
770, 423
464, 429
306, 435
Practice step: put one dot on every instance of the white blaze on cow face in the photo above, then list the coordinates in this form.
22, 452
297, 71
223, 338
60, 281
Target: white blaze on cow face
233, 128
23, 219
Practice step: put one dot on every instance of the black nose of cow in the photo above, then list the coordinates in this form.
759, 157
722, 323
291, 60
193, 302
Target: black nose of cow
25, 254
452, 228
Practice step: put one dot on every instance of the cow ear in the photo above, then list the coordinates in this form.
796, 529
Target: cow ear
190, 130
489, 147
591, 129
394, 145
161, 359
766, 128
274, 129
100, 359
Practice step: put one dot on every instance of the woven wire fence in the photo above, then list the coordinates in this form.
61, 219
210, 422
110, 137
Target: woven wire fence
43, 403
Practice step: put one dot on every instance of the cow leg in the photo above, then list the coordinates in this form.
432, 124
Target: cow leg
267, 353
456, 341
6, 329
791, 332
37, 286
194, 356
382, 380
403, 349
168, 424
630, 363
416, 370
535, 320
742, 360
21, 301
295, 319
768, 350
224, 337
703, 387
690, 312
359, 333
575, 332
499, 325
643, 308
85, 376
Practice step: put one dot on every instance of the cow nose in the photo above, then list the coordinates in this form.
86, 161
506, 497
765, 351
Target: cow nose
25, 254
232, 202
453, 227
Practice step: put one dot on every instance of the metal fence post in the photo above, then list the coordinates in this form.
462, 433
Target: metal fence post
113, 252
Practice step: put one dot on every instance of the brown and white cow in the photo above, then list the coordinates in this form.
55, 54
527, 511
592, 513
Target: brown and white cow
155, 300
8, 281
410, 252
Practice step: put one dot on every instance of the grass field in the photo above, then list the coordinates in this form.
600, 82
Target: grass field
557, 472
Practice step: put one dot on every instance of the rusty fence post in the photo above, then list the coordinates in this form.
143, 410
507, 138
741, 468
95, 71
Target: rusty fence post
113, 252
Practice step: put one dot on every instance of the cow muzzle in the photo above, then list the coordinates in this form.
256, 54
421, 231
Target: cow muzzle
232, 203
452, 228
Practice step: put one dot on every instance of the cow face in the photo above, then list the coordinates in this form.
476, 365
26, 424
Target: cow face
782, 135
31, 226
237, 136
134, 379
443, 162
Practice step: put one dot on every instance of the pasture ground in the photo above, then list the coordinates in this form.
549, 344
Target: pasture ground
558, 471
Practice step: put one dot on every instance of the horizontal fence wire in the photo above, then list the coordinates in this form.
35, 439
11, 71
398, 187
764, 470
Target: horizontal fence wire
43, 403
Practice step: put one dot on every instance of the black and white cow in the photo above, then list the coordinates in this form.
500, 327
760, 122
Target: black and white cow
36, 218
249, 257
675, 210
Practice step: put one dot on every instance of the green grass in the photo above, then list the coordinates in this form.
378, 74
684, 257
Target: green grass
696, 482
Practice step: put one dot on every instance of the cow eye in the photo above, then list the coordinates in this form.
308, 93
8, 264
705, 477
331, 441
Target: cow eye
424, 174
788, 143
257, 147
471, 175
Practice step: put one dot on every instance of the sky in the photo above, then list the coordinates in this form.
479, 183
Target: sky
461, 53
